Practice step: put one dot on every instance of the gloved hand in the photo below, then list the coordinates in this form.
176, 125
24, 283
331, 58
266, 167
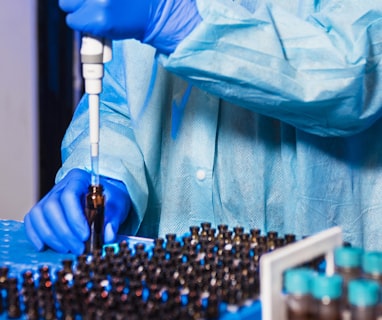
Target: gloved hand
58, 220
161, 23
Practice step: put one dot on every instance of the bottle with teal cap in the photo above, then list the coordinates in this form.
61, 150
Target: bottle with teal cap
327, 292
363, 298
372, 269
299, 301
348, 264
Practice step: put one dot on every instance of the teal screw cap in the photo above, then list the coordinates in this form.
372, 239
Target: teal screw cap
372, 262
324, 286
363, 292
298, 280
348, 257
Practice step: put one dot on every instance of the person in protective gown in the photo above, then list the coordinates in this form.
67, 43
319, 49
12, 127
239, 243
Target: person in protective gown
263, 114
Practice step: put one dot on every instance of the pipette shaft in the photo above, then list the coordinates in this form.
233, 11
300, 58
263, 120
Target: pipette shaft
94, 53
94, 137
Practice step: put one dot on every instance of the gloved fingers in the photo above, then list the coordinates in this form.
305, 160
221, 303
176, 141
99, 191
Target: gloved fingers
116, 210
70, 5
110, 232
62, 228
87, 18
72, 200
44, 231
58, 220
32, 234
117, 206
115, 213
69, 195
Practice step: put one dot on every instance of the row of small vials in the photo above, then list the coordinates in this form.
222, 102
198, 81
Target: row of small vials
353, 292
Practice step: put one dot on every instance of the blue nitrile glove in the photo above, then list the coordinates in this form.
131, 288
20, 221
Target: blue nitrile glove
58, 220
160, 23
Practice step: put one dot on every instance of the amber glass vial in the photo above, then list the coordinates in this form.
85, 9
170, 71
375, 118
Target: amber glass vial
299, 301
95, 215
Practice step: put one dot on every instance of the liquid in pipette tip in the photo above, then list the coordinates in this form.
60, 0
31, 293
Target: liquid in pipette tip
94, 171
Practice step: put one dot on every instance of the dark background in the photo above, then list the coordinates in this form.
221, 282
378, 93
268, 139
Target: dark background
55, 87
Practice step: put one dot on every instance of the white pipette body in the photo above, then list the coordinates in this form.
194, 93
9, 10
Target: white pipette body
94, 53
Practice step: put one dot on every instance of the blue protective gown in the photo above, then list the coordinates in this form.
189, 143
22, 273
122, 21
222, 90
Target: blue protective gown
267, 115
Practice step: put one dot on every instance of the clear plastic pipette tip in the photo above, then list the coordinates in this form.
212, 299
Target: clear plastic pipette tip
94, 171
94, 137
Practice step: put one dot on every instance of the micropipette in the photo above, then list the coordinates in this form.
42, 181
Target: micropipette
94, 53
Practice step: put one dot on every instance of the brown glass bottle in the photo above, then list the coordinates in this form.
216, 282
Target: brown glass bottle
363, 299
299, 301
348, 264
372, 270
95, 215
326, 292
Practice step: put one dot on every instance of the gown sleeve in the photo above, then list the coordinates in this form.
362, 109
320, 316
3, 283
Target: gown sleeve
319, 70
